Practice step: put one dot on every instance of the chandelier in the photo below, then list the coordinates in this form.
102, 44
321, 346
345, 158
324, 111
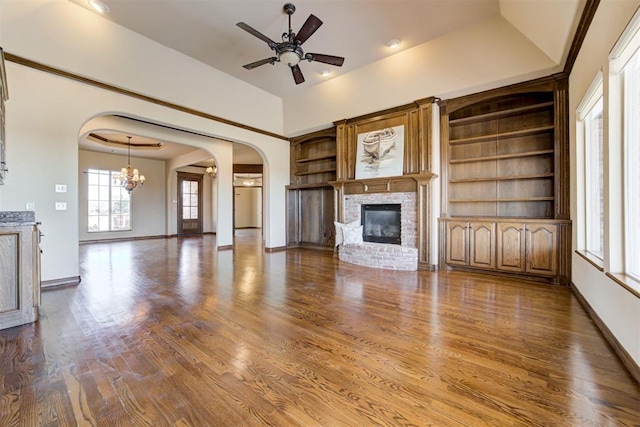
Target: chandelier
129, 178
212, 171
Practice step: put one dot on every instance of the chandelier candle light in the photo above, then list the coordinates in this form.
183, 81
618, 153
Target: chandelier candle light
212, 171
129, 177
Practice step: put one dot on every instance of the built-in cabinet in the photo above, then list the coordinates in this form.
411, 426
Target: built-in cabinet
507, 246
470, 244
310, 200
505, 198
19, 274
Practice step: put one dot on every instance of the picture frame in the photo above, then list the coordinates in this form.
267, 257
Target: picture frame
380, 153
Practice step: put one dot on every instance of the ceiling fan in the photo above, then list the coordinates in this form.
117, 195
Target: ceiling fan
289, 51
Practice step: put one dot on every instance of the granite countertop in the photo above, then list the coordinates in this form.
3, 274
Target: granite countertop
13, 218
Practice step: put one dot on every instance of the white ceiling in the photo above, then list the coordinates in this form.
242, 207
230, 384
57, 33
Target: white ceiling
355, 29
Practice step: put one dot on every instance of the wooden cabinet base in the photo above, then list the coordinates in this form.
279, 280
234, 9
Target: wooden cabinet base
19, 275
528, 249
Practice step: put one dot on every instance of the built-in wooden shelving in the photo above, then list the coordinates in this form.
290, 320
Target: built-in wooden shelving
505, 181
310, 196
317, 157
503, 135
502, 113
502, 156
503, 178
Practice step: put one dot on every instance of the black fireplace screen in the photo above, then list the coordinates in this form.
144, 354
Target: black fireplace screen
381, 223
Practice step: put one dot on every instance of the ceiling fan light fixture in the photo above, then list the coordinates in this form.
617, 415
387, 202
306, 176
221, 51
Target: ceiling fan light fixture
98, 6
290, 58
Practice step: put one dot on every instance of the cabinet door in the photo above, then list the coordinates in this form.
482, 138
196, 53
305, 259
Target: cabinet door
510, 246
9, 284
311, 216
18, 298
542, 249
482, 245
328, 229
457, 243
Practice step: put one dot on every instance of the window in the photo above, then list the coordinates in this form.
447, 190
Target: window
189, 199
109, 203
591, 137
594, 180
631, 165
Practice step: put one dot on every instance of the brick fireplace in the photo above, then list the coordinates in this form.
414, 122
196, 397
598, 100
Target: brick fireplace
412, 194
384, 255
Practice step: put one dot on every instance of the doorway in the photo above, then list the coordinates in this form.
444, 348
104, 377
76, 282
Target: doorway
189, 204
247, 201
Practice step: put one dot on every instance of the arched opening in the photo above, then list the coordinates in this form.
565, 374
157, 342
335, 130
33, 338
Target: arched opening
160, 207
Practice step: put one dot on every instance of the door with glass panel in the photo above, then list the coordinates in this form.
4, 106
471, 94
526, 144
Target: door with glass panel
189, 203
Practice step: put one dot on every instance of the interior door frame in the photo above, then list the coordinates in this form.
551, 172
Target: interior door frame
186, 176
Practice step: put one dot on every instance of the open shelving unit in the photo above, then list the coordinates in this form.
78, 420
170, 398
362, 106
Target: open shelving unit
310, 204
505, 181
313, 158
501, 157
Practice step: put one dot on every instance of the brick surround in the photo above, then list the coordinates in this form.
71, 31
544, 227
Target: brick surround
382, 255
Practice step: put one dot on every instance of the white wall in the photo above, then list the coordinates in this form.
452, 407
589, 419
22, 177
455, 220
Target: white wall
146, 218
617, 307
46, 114
483, 56
248, 212
67, 36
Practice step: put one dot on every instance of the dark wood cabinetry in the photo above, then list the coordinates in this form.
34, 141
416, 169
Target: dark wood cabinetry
504, 163
504, 246
310, 200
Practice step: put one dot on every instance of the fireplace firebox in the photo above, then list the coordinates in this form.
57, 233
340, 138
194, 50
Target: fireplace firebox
381, 223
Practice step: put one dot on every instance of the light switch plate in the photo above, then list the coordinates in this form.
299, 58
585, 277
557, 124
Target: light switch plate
61, 188
30, 206
61, 206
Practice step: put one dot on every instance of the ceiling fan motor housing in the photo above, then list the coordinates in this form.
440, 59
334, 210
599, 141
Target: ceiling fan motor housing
289, 8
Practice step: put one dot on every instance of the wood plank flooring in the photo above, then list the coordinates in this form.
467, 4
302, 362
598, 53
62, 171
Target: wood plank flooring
173, 333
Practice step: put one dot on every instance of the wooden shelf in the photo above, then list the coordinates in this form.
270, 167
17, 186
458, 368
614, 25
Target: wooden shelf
502, 156
308, 186
502, 113
316, 158
502, 178
316, 172
510, 199
511, 134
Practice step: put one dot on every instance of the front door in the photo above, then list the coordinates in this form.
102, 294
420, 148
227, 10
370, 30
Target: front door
189, 203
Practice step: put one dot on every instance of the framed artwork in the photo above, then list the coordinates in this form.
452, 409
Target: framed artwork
380, 153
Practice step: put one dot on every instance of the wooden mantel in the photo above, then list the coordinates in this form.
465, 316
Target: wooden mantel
392, 184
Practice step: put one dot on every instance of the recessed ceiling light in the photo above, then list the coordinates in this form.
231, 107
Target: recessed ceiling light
393, 44
98, 6
325, 73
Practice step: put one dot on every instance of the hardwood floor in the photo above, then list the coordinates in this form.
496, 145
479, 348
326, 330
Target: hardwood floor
173, 333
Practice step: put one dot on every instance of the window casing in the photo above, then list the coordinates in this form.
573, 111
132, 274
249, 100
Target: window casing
631, 165
109, 205
591, 169
594, 179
